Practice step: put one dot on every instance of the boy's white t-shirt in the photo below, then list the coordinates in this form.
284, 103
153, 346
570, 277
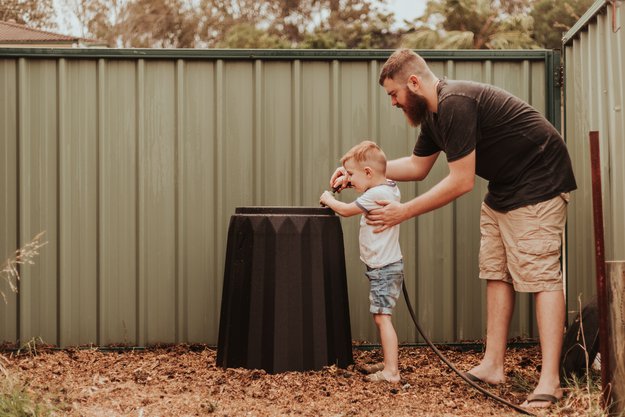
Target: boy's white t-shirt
378, 249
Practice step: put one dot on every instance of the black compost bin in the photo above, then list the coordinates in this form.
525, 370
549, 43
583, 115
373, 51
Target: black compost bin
284, 304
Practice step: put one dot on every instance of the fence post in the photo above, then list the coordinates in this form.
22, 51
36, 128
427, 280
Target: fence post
597, 210
616, 322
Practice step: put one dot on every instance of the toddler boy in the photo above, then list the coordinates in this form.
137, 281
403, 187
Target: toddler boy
365, 168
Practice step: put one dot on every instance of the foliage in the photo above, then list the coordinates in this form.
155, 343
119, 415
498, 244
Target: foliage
158, 23
246, 35
552, 18
472, 24
136, 23
347, 27
322, 39
236, 23
319, 24
38, 14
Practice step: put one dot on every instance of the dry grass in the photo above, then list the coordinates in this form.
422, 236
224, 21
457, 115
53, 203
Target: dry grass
9, 271
15, 398
583, 397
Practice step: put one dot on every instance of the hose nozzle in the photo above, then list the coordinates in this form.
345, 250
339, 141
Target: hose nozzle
337, 189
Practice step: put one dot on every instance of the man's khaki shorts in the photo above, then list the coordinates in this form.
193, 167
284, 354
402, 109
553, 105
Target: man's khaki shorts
523, 246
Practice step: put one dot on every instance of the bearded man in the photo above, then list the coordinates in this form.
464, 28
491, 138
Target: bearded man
486, 131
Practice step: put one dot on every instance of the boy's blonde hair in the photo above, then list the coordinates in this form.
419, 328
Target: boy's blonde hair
369, 153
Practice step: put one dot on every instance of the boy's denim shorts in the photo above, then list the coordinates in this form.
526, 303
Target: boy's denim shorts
385, 286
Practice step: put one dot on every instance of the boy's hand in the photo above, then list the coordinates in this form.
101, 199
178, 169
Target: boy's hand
325, 198
338, 181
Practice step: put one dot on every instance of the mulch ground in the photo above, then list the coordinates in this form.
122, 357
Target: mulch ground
183, 380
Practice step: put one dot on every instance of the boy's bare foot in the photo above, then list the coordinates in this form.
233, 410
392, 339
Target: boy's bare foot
381, 376
372, 368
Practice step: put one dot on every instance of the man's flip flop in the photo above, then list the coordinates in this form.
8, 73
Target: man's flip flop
552, 399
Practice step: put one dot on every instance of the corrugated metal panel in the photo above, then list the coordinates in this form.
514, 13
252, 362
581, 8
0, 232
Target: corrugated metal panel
78, 200
594, 94
133, 162
38, 195
8, 189
118, 202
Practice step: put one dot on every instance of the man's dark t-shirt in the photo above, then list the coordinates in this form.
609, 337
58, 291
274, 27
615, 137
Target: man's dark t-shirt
517, 150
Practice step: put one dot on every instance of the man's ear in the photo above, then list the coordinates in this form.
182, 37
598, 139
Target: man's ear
413, 83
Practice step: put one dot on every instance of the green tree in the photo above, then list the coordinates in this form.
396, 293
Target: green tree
37, 14
472, 24
302, 23
552, 18
137, 23
98, 18
216, 19
354, 24
158, 24
237, 23
246, 35
322, 39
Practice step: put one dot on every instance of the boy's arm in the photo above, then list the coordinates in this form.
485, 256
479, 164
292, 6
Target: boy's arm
343, 209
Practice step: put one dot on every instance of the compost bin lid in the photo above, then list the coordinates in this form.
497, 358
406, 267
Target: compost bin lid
286, 211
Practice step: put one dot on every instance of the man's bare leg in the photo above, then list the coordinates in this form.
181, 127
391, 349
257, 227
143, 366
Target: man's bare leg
499, 308
550, 318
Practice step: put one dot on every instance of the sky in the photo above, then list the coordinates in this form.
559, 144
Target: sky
403, 9
406, 9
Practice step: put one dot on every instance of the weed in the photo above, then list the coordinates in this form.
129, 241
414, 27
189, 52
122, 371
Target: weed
9, 269
16, 400
30, 347
583, 397
582, 393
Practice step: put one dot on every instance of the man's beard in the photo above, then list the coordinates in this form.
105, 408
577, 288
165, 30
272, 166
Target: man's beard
415, 109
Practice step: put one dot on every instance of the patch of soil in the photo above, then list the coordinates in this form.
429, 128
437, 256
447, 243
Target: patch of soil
183, 380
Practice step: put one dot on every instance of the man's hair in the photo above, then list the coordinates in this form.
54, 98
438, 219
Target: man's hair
402, 64
367, 152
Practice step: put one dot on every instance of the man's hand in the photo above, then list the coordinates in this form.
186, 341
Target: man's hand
339, 180
325, 198
389, 215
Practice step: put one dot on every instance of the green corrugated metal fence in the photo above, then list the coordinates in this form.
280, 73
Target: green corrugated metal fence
594, 56
132, 161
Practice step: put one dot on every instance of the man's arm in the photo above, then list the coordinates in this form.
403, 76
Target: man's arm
410, 168
460, 181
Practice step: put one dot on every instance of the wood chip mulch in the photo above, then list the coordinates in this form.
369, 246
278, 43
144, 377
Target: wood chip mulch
183, 380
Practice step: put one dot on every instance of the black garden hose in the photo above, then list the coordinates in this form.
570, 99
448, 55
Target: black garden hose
452, 367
